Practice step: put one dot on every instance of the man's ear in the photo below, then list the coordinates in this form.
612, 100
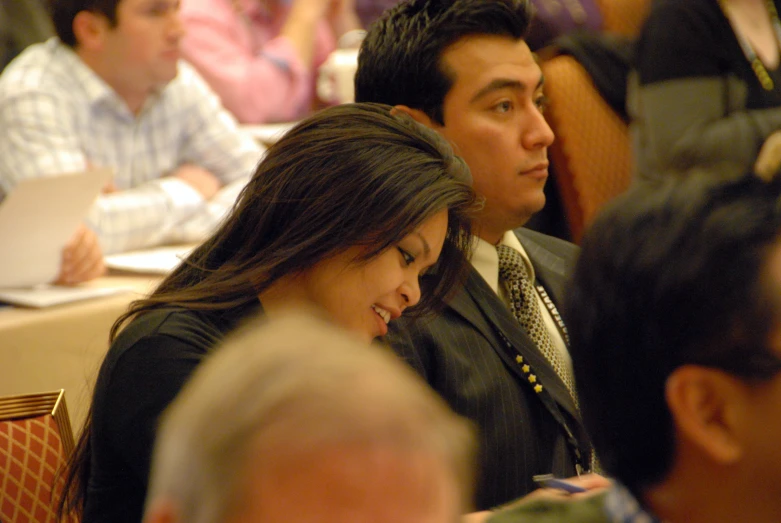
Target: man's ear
416, 114
90, 30
705, 407
162, 511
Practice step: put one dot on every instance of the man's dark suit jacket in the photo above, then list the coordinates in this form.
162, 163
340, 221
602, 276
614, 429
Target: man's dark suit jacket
469, 354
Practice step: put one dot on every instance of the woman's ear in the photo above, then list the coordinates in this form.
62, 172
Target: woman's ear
705, 407
416, 114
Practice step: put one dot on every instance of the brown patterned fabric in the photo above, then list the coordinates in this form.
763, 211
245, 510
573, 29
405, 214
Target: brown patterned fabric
31, 453
591, 156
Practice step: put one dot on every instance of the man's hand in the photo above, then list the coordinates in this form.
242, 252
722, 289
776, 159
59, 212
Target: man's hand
82, 258
199, 179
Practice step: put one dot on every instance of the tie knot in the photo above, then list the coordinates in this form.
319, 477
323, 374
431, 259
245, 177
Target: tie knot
511, 264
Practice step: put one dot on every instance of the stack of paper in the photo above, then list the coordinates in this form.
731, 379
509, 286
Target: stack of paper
160, 260
37, 218
48, 295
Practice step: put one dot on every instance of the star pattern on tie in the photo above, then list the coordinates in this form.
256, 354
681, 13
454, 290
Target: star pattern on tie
514, 274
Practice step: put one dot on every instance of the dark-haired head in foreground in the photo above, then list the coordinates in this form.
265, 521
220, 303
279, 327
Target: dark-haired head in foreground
675, 322
345, 213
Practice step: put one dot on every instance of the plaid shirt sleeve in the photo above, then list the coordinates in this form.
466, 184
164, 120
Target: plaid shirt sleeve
38, 138
215, 142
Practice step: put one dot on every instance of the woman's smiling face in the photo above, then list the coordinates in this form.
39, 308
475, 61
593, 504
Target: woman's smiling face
364, 296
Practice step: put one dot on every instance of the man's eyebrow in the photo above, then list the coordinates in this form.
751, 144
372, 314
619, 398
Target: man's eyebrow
504, 83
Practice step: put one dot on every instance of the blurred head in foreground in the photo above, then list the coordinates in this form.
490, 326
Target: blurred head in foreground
674, 318
297, 421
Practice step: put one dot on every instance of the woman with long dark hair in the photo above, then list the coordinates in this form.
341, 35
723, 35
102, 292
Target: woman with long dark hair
344, 214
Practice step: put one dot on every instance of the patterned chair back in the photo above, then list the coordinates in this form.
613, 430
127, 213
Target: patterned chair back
592, 154
35, 442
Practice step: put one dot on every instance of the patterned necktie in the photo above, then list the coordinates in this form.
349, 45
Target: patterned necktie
526, 309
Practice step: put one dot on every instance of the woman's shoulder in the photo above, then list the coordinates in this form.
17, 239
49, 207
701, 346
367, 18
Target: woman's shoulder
172, 332
167, 341
163, 344
198, 328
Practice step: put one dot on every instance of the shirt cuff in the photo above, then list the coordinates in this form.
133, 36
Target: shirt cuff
182, 198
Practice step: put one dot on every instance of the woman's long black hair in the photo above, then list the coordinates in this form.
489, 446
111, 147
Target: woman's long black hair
351, 175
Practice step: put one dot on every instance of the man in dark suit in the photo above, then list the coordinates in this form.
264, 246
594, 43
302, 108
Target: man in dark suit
498, 353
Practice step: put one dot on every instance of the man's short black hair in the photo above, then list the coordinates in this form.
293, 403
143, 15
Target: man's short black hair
670, 276
399, 61
63, 13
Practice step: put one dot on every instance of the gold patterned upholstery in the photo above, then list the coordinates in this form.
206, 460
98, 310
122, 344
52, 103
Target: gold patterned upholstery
591, 156
35, 441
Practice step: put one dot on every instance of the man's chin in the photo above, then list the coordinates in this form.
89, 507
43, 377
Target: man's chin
530, 211
168, 75
538, 204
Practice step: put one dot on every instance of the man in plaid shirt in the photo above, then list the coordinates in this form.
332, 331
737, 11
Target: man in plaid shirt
110, 91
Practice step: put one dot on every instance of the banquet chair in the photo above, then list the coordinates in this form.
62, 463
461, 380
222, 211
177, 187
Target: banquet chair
592, 154
35, 441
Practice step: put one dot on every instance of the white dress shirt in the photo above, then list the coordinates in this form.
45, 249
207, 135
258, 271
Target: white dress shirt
485, 260
58, 116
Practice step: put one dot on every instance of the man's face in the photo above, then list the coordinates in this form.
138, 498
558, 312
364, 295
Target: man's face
142, 51
350, 483
493, 116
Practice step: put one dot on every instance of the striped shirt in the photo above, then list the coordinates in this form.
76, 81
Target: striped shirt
57, 116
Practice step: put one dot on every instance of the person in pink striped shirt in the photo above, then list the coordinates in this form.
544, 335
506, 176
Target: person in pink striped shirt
262, 56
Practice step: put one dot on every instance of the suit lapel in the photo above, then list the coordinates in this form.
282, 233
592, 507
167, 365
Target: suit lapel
552, 273
478, 304
551, 270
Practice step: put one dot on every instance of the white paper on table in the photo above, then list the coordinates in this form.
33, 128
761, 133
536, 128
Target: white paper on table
37, 218
160, 260
268, 133
48, 295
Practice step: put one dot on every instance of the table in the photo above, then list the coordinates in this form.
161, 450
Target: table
61, 347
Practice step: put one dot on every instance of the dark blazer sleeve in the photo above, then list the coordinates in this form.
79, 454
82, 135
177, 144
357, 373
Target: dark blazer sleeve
144, 371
